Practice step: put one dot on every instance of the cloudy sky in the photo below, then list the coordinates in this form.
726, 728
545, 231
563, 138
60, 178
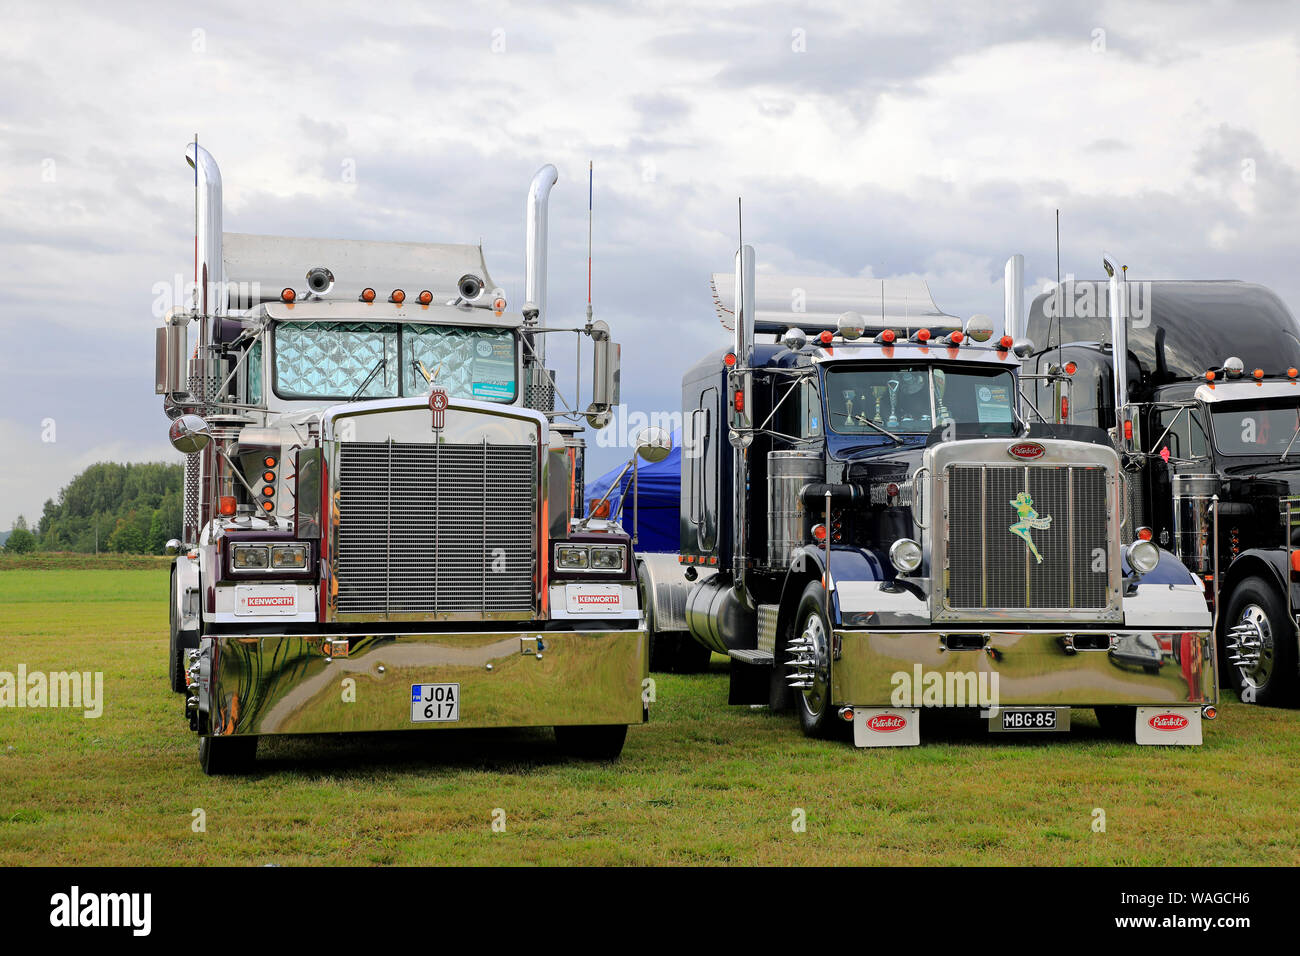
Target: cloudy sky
873, 139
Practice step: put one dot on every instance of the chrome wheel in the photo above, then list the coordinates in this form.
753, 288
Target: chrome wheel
809, 665
1250, 647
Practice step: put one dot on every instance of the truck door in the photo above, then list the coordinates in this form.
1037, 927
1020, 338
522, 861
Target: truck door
700, 465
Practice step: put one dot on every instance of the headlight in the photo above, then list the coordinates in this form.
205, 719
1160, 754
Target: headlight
289, 556
1143, 556
905, 555
249, 557
607, 559
571, 557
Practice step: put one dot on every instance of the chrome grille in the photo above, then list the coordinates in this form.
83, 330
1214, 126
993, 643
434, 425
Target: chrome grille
989, 566
432, 529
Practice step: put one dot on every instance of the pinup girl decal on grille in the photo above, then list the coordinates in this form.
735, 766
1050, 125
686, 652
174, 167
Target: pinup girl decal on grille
1028, 521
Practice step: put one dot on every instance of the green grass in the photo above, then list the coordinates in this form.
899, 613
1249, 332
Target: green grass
701, 783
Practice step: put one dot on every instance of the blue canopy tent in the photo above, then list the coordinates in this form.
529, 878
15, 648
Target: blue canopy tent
658, 499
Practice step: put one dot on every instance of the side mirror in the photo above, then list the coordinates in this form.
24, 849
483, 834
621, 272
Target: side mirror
653, 444
1022, 348
171, 352
172, 546
605, 376
189, 434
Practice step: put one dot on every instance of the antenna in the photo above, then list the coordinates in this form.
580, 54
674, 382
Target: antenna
590, 195
198, 294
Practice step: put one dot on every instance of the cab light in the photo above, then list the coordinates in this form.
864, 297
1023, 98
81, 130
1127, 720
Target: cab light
600, 509
826, 337
1071, 368
268, 505
729, 360
886, 337
956, 338
1258, 373
397, 297
268, 491
1209, 375
426, 297
923, 335
1292, 373
367, 294
268, 476
268, 461
288, 295
226, 505
1005, 343
819, 532
499, 304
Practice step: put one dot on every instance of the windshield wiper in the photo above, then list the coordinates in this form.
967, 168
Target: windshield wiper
1290, 443
864, 420
382, 363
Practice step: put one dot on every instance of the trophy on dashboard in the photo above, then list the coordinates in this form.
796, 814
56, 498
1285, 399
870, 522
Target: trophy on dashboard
893, 403
941, 383
878, 392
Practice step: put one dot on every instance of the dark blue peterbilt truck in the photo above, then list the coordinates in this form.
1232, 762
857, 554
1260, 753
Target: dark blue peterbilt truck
872, 526
1211, 443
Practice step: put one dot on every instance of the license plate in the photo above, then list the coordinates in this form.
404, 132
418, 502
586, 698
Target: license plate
1030, 719
435, 702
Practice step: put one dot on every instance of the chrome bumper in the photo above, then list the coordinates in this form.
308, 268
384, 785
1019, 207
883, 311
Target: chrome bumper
1132, 666
334, 683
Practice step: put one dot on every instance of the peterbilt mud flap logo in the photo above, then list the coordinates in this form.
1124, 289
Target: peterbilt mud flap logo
886, 723
1168, 722
886, 726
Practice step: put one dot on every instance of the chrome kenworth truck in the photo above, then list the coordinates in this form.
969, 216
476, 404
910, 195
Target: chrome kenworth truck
380, 527
871, 528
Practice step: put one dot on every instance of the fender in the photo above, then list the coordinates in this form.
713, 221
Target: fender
1267, 563
809, 564
185, 591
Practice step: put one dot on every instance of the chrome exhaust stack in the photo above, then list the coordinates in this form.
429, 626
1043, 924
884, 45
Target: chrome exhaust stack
1013, 298
539, 195
1118, 308
211, 278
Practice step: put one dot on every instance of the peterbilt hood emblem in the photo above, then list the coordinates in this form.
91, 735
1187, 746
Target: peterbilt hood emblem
1027, 521
1026, 449
438, 405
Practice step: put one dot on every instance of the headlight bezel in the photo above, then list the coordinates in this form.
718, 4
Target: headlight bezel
900, 554
611, 551
236, 552
1143, 547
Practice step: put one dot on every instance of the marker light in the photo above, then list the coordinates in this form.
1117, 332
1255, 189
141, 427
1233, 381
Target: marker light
426, 297
397, 297
226, 505
826, 337
1292, 373
846, 714
268, 491
600, 509
268, 476
739, 400
1258, 373
1295, 561
729, 360
1005, 343
268, 505
1071, 368
819, 532
1209, 376
1065, 407
886, 337
1143, 556
1144, 534
956, 338
367, 295
1128, 431
287, 295
268, 461
923, 335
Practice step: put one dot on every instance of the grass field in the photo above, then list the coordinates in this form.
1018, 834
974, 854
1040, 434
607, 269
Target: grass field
701, 783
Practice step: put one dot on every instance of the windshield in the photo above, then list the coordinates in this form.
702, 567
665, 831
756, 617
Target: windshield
332, 360
1256, 430
909, 399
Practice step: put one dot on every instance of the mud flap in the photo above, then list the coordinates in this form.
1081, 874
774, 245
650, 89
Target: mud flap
1169, 725
886, 726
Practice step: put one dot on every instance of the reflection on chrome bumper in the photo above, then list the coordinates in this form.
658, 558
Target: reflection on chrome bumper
305, 684
1033, 668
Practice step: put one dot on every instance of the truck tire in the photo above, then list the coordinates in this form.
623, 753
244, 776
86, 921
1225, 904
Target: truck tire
592, 743
220, 756
816, 715
1261, 613
1118, 721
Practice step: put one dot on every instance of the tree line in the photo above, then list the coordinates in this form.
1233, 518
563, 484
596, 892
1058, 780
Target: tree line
126, 508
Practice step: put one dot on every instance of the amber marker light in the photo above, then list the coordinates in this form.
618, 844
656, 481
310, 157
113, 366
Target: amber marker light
367, 295
288, 295
426, 297
398, 297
